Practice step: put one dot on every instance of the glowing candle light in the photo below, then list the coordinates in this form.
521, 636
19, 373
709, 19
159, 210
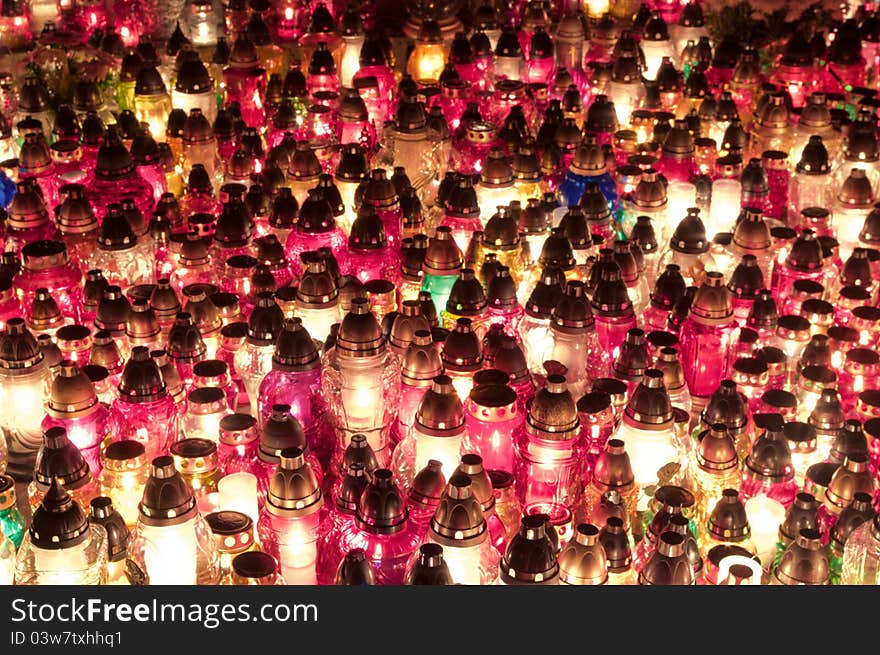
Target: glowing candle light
765, 516
436, 433
123, 477
61, 546
171, 543
361, 379
459, 526
238, 492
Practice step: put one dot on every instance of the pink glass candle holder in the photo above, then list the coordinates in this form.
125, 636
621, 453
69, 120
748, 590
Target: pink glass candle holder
612, 311
597, 422
73, 405
144, 411
316, 229
768, 470
290, 522
340, 520
35, 162
28, 217
47, 265
668, 290
10, 307
492, 417
246, 81
803, 262
380, 192
370, 256
549, 451
295, 380
861, 368
706, 336
77, 223
382, 531
238, 447
115, 177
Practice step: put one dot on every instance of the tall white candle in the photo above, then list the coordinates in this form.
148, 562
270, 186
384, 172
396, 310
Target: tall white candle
171, 553
765, 516
238, 493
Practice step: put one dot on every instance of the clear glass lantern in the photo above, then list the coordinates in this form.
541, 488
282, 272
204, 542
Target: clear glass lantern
420, 365
59, 458
855, 198
647, 429
656, 45
24, 383
436, 433
62, 546
458, 525
254, 360
361, 380
152, 102
626, 88
200, 145
205, 408
171, 542
861, 555
612, 474
575, 339
123, 476
409, 142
